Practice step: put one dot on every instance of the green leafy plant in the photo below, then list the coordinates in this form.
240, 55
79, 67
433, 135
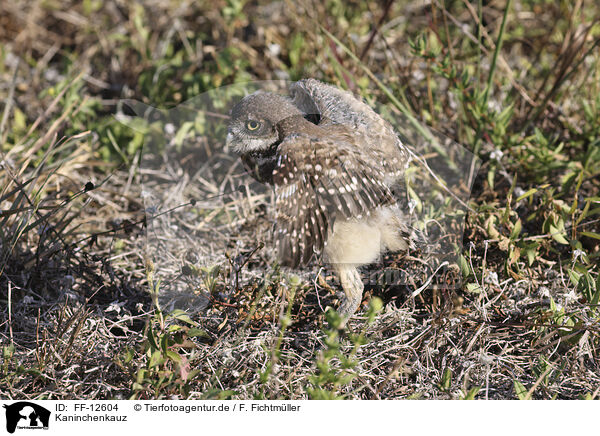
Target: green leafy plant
335, 367
167, 348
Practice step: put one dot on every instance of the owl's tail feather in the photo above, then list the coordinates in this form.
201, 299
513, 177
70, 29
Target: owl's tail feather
417, 240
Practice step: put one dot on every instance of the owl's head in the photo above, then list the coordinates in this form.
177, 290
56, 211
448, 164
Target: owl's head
254, 131
253, 127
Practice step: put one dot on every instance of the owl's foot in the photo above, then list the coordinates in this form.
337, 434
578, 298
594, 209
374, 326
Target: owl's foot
353, 290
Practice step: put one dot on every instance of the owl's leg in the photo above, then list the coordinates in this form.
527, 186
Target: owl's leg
352, 243
353, 290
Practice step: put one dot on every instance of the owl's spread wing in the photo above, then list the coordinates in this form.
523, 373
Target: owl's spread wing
335, 107
317, 180
333, 104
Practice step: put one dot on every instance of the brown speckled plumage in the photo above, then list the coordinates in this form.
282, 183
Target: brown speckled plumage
333, 162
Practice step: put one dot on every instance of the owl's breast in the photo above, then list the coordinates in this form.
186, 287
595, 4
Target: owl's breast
260, 165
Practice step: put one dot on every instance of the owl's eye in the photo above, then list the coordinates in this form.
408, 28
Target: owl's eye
252, 125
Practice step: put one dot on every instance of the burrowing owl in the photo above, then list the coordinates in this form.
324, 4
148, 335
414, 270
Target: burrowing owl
334, 164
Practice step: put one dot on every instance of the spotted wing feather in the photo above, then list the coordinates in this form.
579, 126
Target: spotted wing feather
338, 108
316, 181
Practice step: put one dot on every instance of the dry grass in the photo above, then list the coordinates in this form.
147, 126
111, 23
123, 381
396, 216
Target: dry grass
80, 296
